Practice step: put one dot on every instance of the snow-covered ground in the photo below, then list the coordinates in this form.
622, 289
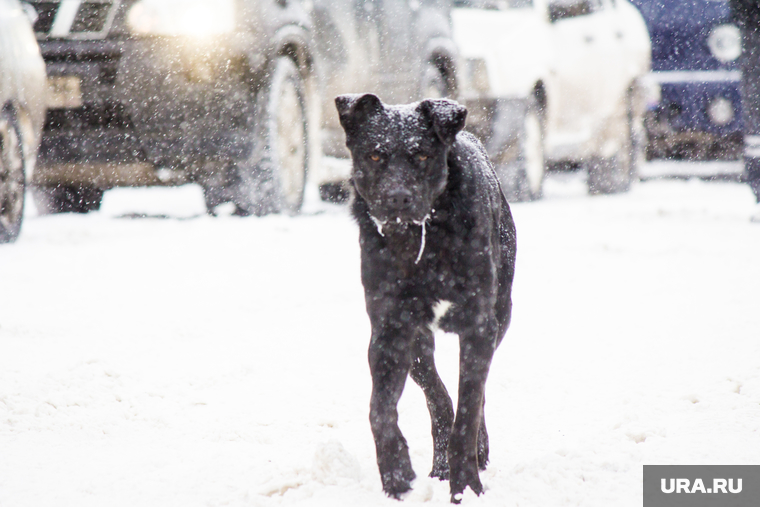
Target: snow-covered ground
183, 360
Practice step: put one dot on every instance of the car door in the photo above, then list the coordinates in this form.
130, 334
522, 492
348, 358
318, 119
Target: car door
576, 74
609, 34
633, 37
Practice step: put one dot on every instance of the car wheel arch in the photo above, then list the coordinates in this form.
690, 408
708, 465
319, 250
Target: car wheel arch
442, 53
541, 97
293, 41
30, 139
25, 131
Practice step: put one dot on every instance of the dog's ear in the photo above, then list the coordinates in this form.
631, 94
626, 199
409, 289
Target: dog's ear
353, 108
448, 117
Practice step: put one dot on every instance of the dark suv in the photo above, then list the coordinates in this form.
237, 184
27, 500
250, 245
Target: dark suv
164, 93
695, 60
235, 95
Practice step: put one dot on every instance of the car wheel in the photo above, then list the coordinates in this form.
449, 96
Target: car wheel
523, 180
273, 178
67, 199
11, 178
615, 174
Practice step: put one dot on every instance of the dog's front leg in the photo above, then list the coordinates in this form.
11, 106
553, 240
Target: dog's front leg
476, 351
390, 358
425, 374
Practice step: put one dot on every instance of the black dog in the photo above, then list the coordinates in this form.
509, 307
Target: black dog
436, 234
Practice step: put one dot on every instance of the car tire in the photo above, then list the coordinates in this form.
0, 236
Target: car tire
611, 175
273, 178
67, 199
12, 178
523, 180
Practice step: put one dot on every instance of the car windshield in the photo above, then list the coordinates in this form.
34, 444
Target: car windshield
494, 4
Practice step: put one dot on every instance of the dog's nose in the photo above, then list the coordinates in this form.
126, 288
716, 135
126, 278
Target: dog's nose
400, 200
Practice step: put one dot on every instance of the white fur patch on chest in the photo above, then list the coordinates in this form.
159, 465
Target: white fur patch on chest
440, 309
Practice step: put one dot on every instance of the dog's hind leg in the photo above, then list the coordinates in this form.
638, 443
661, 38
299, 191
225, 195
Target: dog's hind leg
390, 358
439, 404
475, 354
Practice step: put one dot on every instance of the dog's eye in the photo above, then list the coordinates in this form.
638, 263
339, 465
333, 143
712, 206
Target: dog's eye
422, 157
374, 157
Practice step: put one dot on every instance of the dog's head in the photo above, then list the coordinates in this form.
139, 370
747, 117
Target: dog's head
399, 153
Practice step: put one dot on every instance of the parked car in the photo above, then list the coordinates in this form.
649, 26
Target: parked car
222, 93
22, 110
229, 94
695, 52
555, 83
401, 51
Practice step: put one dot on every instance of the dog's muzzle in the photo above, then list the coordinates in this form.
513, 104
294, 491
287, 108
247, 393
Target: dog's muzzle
383, 225
399, 206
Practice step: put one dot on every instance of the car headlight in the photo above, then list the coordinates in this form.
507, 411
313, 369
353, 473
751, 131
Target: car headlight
196, 18
721, 111
725, 42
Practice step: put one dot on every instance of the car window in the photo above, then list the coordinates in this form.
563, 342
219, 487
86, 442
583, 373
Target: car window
563, 9
494, 4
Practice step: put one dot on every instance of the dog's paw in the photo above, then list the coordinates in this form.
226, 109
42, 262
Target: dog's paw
440, 466
463, 476
440, 472
398, 482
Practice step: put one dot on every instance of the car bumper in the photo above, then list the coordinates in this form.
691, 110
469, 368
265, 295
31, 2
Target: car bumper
151, 101
698, 115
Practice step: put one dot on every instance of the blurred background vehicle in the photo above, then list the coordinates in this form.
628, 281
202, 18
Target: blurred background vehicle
222, 93
235, 95
402, 51
555, 84
695, 60
22, 111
